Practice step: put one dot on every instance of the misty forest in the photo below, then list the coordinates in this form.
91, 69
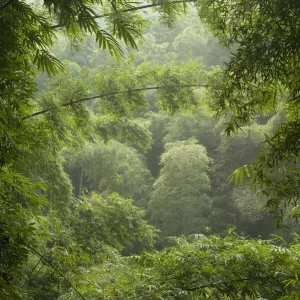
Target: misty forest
149, 150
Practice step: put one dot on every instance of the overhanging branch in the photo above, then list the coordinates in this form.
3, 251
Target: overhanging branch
136, 8
112, 94
145, 7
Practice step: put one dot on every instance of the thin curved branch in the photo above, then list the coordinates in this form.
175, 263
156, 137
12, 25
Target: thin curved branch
145, 7
112, 94
135, 8
53, 267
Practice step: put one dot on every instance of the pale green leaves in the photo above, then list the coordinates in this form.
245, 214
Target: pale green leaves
169, 11
132, 131
172, 96
180, 192
47, 62
248, 204
238, 175
110, 221
112, 167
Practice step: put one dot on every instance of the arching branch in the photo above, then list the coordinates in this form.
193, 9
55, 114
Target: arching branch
136, 8
41, 112
159, 3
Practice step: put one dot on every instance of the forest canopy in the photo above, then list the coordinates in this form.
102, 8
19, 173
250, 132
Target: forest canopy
114, 169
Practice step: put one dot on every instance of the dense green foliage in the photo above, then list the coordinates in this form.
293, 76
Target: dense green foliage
93, 148
110, 168
180, 191
262, 77
219, 268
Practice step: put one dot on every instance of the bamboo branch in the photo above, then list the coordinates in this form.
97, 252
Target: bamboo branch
35, 267
135, 8
144, 7
52, 266
111, 94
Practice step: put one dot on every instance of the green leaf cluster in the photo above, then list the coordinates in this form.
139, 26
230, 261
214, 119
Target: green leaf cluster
215, 267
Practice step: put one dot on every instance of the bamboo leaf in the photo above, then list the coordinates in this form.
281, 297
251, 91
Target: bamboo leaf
13, 295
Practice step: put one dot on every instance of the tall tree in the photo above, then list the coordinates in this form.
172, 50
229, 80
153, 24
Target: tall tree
110, 168
180, 203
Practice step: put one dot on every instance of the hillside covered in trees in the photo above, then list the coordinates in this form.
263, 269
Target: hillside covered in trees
149, 150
